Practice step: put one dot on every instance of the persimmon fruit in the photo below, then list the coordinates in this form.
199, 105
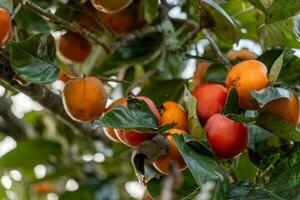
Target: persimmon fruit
163, 163
287, 109
211, 98
226, 137
6, 26
241, 55
84, 99
43, 187
132, 138
129, 19
110, 6
173, 113
72, 47
110, 132
246, 76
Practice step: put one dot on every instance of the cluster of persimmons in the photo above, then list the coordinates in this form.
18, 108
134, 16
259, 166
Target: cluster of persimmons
85, 100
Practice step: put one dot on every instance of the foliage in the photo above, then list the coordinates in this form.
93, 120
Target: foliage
168, 45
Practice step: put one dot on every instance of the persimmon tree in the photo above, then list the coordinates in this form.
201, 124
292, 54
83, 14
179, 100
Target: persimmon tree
194, 99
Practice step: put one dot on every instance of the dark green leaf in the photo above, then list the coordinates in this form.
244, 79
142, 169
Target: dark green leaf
242, 119
222, 25
29, 153
137, 117
264, 96
165, 90
216, 73
278, 126
137, 50
204, 168
269, 57
34, 59
194, 125
281, 62
232, 103
30, 21
243, 166
150, 9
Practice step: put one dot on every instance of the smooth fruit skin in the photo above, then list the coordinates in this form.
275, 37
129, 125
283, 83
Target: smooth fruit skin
72, 47
84, 98
200, 72
246, 76
5, 27
226, 137
110, 132
129, 19
241, 55
110, 6
173, 113
162, 164
133, 139
287, 109
211, 99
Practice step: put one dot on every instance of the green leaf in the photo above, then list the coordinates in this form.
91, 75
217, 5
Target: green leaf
216, 73
164, 90
194, 125
34, 59
281, 10
204, 168
264, 96
223, 26
278, 126
282, 61
29, 153
268, 57
137, 117
7, 5
242, 119
136, 51
30, 21
232, 103
283, 33
187, 190
243, 166
150, 9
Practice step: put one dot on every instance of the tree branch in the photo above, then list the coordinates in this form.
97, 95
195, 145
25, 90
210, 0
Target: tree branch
15, 127
48, 100
70, 26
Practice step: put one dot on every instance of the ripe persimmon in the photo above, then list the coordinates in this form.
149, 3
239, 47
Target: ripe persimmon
200, 72
84, 98
246, 76
163, 163
132, 138
241, 55
287, 109
226, 137
129, 19
211, 98
110, 132
174, 113
72, 47
110, 6
87, 22
6, 27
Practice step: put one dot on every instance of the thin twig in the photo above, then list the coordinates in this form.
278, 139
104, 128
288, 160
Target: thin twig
70, 26
144, 78
102, 78
16, 10
241, 12
215, 47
